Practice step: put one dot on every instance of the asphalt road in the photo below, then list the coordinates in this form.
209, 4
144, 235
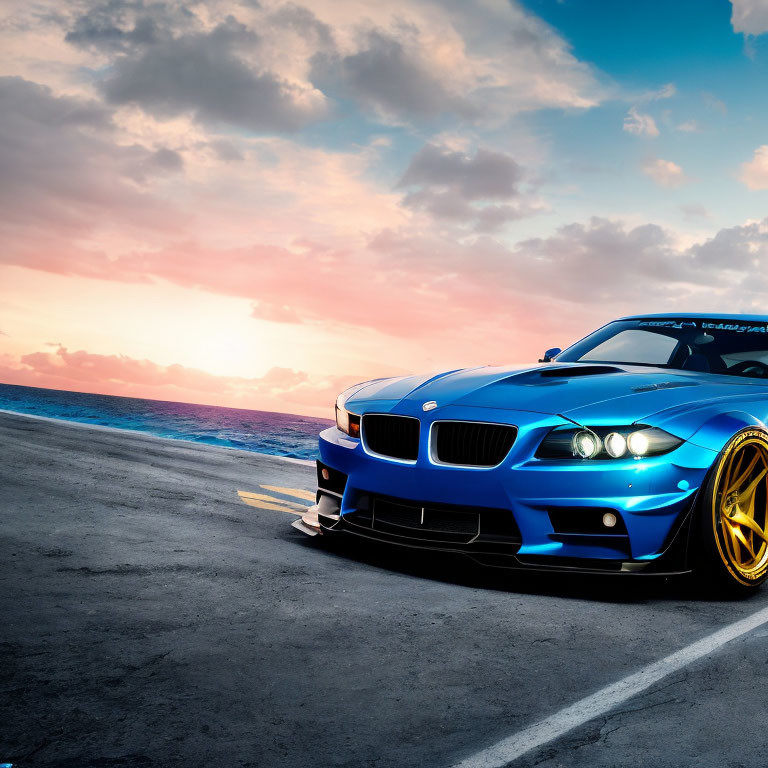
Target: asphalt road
151, 617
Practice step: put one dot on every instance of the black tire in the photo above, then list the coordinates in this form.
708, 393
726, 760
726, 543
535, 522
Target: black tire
716, 566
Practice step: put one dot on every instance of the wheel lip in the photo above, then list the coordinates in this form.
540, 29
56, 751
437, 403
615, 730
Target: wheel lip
756, 576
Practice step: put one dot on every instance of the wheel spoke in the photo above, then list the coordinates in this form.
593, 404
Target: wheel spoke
735, 548
734, 465
739, 534
750, 511
733, 487
738, 517
750, 489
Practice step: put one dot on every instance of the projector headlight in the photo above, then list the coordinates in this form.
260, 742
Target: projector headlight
586, 444
346, 421
616, 445
636, 441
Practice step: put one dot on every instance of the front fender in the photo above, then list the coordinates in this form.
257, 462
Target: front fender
719, 428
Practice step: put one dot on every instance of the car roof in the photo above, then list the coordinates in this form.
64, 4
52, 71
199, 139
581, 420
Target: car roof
700, 316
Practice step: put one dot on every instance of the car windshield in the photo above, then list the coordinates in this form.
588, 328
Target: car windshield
709, 346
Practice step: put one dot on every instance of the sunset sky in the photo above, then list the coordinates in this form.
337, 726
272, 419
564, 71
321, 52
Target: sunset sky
258, 203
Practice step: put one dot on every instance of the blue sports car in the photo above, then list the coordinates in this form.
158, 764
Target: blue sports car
641, 449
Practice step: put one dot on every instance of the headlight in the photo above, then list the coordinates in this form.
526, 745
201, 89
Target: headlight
616, 444
636, 442
586, 444
347, 421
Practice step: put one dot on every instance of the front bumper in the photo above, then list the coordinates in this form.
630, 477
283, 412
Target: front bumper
652, 497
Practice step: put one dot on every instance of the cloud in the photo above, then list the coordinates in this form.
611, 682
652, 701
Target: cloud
712, 102
640, 124
165, 159
601, 259
754, 174
119, 26
689, 126
24, 100
749, 16
63, 171
664, 172
76, 202
304, 23
666, 91
392, 77
453, 185
278, 66
419, 283
77, 193
205, 74
486, 175
607, 262
734, 256
423, 60
279, 388
694, 211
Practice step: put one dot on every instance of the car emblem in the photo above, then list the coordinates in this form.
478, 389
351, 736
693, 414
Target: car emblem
430, 405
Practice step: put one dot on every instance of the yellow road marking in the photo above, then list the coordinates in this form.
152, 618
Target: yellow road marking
297, 492
247, 495
262, 501
266, 505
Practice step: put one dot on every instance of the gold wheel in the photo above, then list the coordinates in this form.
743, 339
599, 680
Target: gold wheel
740, 507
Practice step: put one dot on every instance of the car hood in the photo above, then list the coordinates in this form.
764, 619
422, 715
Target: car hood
580, 391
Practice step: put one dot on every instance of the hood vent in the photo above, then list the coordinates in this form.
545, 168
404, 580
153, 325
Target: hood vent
580, 370
552, 376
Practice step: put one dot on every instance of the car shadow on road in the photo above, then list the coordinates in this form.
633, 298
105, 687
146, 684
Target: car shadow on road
460, 570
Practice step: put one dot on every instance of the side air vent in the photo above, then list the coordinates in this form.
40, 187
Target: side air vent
330, 479
396, 437
471, 443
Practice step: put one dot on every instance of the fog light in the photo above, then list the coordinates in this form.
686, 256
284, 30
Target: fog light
325, 474
609, 520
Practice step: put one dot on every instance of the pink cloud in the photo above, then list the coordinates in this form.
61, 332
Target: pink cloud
464, 294
280, 389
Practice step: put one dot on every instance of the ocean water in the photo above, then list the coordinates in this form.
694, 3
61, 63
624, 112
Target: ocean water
279, 434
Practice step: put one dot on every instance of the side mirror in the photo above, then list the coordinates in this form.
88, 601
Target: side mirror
550, 355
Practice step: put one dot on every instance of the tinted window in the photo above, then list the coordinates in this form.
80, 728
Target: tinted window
634, 346
706, 346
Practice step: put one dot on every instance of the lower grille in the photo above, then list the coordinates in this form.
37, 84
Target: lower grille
393, 436
424, 522
434, 523
472, 443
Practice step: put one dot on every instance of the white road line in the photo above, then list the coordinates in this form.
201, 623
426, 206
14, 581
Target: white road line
606, 699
